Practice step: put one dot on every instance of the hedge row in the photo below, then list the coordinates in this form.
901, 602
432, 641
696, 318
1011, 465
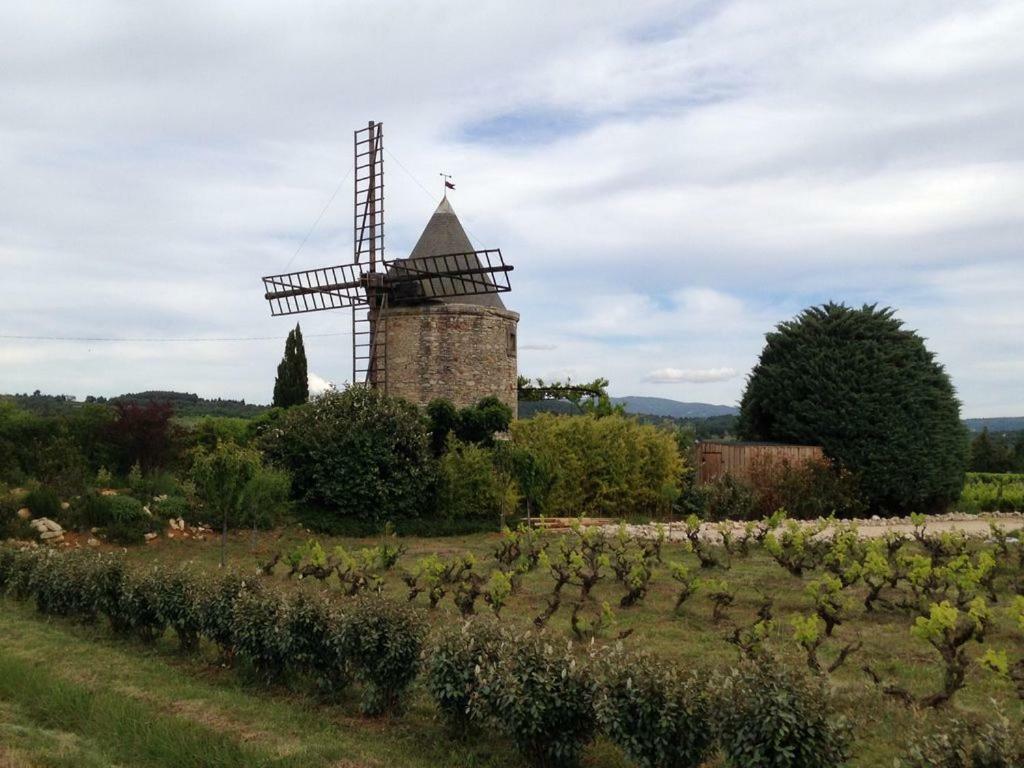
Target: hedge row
549, 701
370, 640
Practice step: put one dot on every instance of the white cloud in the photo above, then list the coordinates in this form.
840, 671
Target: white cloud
697, 376
721, 167
318, 384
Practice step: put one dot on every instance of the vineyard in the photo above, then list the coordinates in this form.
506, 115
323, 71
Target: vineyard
593, 644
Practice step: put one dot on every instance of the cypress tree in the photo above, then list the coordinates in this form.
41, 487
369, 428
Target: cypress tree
859, 384
291, 387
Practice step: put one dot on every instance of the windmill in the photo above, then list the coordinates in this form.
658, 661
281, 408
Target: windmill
371, 285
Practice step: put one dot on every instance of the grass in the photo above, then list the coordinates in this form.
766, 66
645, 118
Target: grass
52, 662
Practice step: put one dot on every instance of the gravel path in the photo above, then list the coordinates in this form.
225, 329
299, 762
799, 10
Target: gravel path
972, 525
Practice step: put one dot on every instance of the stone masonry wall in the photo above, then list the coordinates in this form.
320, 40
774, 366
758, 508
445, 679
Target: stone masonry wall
460, 352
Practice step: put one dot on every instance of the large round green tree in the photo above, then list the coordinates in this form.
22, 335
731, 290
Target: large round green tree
867, 390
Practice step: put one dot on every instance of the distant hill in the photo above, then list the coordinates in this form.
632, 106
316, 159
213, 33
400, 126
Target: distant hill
185, 404
998, 424
639, 406
676, 409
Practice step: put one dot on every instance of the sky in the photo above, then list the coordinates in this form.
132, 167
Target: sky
670, 180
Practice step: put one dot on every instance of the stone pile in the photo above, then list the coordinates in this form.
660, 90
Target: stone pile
47, 529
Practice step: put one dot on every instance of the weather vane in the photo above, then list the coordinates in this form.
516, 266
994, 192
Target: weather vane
448, 183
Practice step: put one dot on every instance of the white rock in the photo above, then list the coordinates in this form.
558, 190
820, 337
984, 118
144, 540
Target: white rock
65, 505
25, 513
92, 542
51, 535
150, 536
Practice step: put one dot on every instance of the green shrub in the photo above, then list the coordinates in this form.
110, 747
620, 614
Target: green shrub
773, 716
174, 507
611, 466
727, 498
543, 699
43, 502
451, 669
870, 393
22, 576
111, 578
122, 518
994, 743
659, 717
806, 490
469, 485
140, 601
989, 492
356, 454
236, 488
383, 639
128, 521
315, 635
258, 633
66, 585
217, 611
12, 526
179, 603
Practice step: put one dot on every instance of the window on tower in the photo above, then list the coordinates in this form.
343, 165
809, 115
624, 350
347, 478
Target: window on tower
511, 343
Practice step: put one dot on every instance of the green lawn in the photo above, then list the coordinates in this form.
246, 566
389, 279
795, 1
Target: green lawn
73, 695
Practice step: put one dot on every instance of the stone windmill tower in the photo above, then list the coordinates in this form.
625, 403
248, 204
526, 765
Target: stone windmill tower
431, 325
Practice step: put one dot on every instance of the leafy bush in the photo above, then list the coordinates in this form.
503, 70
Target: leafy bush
868, 391
543, 699
258, 633
173, 508
474, 424
807, 490
217, 611
11, 525
727, 498
468, 484
122, 518
236, 488
994, 743
659, 717
66, 585
315, 635
355, 454
43, 502
609, 466
988, 492
111, 580
179, 603
141, 602
452, 669
383, 639
772, 716
128, 521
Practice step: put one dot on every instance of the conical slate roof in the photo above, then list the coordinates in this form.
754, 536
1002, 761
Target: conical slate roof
444, 235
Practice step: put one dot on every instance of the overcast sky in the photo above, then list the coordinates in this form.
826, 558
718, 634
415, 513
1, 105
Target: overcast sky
670, 179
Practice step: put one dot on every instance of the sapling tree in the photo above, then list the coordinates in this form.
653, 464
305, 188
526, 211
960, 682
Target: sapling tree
231, 481
948, 630
830, 605
795, 546
809, 633
699, 545
721, 596
999, 661
518, 552
687, 580
844, 556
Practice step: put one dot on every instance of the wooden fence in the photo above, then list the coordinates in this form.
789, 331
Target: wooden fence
717, 459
